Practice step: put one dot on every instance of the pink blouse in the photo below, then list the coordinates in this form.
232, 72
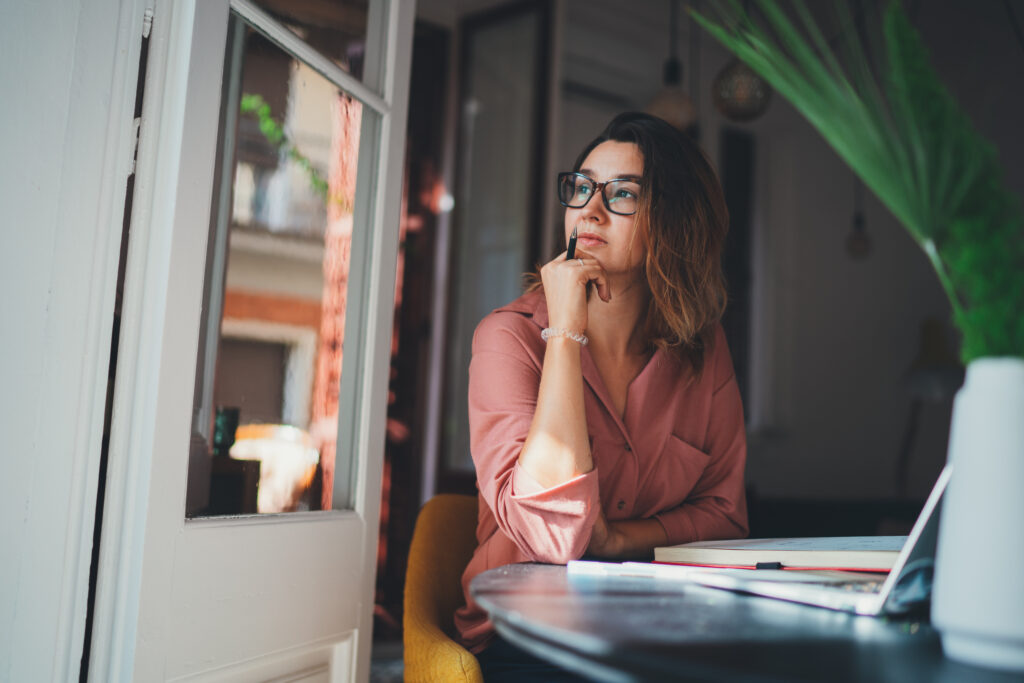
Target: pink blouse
677, 455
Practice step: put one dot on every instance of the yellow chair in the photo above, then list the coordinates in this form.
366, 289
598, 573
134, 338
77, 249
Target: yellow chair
442, 544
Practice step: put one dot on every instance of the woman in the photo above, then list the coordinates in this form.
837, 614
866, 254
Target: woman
623, 431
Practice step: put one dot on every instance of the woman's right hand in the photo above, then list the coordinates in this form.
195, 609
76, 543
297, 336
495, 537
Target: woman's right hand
565, 289
605, 539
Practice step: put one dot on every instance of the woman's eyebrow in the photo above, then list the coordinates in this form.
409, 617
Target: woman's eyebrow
621, 176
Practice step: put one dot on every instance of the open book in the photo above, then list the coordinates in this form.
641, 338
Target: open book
855, 553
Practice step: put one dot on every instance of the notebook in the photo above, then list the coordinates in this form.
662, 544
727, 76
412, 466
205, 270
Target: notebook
907, 585
850, 553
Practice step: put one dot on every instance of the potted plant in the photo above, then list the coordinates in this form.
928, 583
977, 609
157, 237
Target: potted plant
883, 109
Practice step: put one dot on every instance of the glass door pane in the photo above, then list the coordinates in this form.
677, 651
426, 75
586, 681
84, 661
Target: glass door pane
334, 28
265, 416
500, 188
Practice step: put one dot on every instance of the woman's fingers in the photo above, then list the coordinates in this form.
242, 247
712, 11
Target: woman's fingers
566, 298
599, 535
565, 289
594, 272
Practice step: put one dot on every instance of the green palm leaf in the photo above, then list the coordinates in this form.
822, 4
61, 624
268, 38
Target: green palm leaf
902, 133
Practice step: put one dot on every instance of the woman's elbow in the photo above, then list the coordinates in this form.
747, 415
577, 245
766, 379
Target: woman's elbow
555, 548
559, 556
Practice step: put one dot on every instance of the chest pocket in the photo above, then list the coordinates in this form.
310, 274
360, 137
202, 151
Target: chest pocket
680, 468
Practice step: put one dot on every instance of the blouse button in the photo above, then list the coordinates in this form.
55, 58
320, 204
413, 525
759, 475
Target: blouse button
628, 448
622, 504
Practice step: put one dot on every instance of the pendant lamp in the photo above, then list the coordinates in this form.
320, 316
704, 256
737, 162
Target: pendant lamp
672, 103
858, 242
739, 93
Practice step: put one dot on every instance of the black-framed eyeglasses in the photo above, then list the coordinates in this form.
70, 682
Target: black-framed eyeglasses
620, 195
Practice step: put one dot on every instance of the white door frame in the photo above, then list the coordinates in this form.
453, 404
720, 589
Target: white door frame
69, 157
144, 529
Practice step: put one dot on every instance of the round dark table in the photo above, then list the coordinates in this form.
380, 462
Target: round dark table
621, 628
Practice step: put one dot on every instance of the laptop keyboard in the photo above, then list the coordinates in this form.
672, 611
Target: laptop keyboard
857, 586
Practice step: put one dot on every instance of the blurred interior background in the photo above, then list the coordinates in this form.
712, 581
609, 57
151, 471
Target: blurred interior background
839, 331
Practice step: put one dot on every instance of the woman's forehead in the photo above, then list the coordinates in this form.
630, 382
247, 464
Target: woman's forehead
613, 159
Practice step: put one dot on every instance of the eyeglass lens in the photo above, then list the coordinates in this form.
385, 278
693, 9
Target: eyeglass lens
620, 196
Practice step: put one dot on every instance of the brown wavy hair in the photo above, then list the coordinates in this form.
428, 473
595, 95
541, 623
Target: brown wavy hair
682, 221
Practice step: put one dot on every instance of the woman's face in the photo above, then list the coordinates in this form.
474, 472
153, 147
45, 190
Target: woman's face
607, 236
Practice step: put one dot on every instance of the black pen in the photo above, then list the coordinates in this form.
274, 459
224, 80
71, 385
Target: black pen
571, 254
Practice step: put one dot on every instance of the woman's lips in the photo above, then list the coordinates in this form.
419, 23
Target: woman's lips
589, 239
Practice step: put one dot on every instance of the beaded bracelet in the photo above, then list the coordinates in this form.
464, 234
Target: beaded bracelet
549, 332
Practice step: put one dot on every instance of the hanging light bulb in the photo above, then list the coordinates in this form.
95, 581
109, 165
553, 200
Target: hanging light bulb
672, 103
858, 242
739, 93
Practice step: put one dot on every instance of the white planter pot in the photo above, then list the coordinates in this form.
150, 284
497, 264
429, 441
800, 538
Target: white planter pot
978, 599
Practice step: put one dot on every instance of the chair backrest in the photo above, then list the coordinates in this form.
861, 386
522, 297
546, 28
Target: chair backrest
442, 544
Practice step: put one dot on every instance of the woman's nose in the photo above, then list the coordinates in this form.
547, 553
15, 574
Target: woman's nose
594, 210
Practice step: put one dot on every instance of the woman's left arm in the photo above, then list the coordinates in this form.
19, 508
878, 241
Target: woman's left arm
626, 539
716, 507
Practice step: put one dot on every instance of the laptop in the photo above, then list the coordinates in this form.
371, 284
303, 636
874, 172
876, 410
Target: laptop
906, 587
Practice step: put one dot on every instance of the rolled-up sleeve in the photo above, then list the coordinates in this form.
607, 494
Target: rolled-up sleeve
716, 508
547, 524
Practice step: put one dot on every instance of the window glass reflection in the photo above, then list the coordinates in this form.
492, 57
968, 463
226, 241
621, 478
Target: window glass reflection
336, 28
270, 356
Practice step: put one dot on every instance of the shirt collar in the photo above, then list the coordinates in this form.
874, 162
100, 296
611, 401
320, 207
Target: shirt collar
532, 304
660, 376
